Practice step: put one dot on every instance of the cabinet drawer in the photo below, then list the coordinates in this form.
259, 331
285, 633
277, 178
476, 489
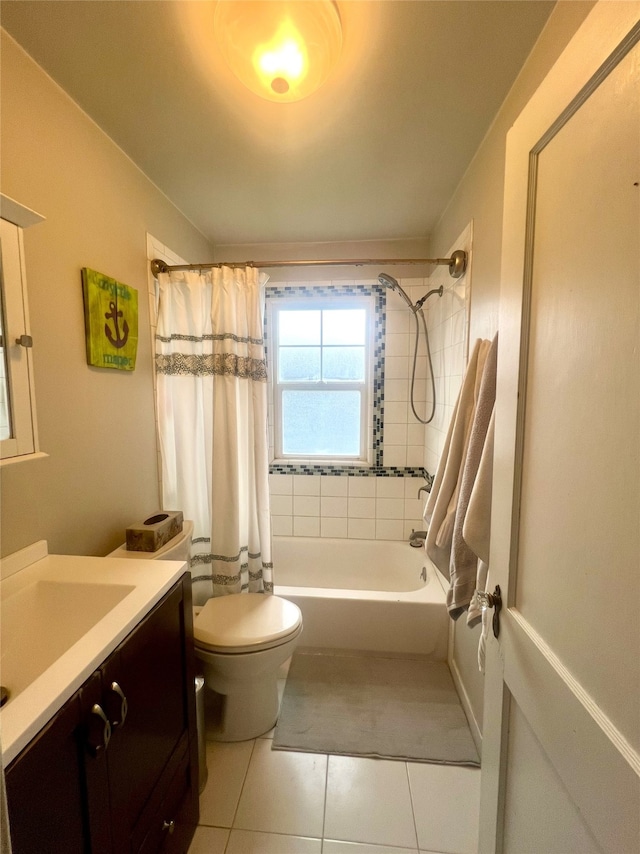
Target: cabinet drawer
169, 825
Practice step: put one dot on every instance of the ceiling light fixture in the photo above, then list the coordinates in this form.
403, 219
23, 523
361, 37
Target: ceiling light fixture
282, 51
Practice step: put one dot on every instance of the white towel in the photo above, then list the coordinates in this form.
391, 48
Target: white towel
477, 533
477, 524
482, 643
439, 512
464, 560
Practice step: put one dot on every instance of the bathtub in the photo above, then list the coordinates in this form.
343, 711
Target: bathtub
378, 595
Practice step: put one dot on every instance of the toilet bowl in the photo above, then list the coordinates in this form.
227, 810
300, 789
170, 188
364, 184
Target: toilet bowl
178, 548
240, 642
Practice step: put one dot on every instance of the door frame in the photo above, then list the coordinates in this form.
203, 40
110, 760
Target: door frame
606, 36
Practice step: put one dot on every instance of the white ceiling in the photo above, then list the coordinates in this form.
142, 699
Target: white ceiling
375, 154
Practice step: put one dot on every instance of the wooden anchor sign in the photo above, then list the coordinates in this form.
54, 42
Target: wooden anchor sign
113, 314
114, 343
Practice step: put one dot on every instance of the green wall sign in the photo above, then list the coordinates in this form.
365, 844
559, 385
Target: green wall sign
111, 321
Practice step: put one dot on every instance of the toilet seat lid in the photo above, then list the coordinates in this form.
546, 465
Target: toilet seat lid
245, 619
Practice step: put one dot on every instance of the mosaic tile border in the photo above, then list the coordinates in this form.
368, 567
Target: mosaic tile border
351, 471
380, 315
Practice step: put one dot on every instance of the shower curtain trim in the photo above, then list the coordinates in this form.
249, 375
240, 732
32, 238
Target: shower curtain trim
205, 364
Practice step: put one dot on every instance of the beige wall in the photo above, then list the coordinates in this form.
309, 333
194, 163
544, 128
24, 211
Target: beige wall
479, 198
96, 425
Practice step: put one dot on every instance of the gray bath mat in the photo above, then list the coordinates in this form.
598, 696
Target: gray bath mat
363, 705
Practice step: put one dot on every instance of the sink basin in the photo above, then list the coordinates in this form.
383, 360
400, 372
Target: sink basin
42, 621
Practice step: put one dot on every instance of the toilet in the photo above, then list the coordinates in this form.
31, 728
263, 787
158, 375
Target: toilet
240, 642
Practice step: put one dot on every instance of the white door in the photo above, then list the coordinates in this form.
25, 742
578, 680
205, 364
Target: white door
560, 762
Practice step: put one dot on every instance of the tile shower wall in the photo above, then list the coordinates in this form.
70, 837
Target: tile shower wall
384, 505
382, 508
447, 322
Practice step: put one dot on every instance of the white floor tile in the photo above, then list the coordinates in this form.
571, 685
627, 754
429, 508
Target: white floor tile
283, 792
209, 840
446, 804
250, 842
331, 846
368, 800
227, 764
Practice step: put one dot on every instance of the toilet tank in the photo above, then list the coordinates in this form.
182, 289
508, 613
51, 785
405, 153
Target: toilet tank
178, 548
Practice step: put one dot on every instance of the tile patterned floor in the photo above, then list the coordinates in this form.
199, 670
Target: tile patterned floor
263, 801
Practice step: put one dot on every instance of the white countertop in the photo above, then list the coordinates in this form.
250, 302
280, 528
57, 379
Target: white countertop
69, 581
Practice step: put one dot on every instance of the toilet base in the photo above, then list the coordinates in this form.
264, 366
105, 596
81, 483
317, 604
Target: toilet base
241, 716
242, 689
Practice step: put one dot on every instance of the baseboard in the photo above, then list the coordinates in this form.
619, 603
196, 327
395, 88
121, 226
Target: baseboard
466, 705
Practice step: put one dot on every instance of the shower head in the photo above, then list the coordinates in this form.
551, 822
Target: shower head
390, 282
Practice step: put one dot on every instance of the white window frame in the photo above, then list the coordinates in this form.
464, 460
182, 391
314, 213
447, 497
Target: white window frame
324, 303
23, 442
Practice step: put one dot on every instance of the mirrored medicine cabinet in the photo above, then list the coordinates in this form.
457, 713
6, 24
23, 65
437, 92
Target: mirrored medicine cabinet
18, 427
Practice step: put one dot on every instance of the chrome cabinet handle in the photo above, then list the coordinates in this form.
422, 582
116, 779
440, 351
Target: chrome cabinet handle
118, 721
102, 742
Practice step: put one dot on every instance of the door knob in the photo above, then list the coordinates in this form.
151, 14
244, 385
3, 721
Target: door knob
492, 600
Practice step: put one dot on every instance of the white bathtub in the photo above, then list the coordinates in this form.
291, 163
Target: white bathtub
363, 594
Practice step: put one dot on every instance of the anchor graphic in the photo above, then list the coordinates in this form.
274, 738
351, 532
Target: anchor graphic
114, 314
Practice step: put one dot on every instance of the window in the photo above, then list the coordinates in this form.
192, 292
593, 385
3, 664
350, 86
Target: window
18, 433
322, 378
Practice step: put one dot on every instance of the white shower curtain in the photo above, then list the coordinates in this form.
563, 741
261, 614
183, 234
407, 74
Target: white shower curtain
212, 423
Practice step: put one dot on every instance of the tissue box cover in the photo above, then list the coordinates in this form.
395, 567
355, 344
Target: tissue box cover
155, 531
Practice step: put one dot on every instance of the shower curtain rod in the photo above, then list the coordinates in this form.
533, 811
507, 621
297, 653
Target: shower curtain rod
457, 264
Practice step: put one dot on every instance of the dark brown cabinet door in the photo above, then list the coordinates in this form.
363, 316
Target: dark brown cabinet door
146, 677
46, 794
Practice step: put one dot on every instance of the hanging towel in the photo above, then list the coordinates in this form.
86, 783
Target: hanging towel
477, 524
477, 532
464, 561
439, 512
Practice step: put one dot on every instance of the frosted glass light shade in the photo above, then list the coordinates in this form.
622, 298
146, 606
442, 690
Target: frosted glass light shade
282, 51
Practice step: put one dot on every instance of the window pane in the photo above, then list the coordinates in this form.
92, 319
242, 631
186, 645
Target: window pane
298, 364
321, 423
344, 326
343, 363
299, 327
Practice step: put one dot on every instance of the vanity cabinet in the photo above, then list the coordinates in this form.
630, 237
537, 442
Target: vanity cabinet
116, 769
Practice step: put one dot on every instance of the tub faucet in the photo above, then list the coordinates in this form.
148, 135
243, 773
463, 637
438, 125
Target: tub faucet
417, 539
423, 489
